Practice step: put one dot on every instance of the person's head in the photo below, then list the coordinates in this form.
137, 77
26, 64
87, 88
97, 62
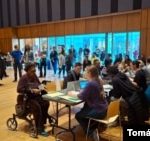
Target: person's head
135, 64
96, 63
92, 73
16, 47
148, 60
77, 67
54, 48
112, 71
127, 57
30, 69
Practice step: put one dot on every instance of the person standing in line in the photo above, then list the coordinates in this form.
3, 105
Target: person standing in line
69, 61
28, 54
42, 64
54, 59
61, 61
17, 62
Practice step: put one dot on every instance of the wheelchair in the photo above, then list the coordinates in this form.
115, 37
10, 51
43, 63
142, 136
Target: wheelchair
23, 112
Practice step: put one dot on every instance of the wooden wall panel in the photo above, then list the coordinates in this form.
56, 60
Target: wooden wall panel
143, 41
19, 32
148, 18
43, 31
1, 33
79, 27
35, 31
24, 32
6, 33
119, 23
91, 25
69, 28
104, 24
27, 32
6, 45
148, 43
144, 20
51, 29
59, 28
133, 21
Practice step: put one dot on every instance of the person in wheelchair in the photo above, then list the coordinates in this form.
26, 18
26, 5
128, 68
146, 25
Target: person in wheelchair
29, 85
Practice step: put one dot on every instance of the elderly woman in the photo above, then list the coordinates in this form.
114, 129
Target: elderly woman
29, 84
95, 103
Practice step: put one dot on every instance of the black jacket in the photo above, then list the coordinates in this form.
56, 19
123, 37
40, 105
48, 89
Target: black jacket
135, 98
122, 86
72, 76
2, 68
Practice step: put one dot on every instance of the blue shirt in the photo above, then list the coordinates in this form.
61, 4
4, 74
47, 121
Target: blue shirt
17, 56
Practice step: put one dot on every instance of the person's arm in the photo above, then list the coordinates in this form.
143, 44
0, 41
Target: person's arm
12, 56
73, 93
88, 90
24, 88
115, 92
137, 79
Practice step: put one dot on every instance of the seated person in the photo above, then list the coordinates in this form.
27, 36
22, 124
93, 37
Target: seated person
140, 76
97, 64
132, 100
95, 103
29, 84
73, 75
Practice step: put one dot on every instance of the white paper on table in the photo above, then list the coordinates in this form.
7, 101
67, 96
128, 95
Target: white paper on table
70, 98
55, 94
107, 86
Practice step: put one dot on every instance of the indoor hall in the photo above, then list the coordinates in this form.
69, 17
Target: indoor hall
98, 27
8, 97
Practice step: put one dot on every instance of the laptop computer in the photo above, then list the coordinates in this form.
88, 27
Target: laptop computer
83, 84
76, 85
73, 86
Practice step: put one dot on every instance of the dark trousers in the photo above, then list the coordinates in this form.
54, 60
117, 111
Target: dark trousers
41, 70
54, 64
85, 112
17, 66
68, 68
39, 108
62, 69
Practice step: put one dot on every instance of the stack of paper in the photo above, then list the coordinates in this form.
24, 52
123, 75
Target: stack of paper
107, 86
70, 98
55, 94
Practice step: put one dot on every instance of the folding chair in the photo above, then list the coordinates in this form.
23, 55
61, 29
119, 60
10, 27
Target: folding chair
51, 87
111, 117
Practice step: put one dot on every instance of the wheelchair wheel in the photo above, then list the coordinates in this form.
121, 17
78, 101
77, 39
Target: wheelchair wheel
33, 132
12, 124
